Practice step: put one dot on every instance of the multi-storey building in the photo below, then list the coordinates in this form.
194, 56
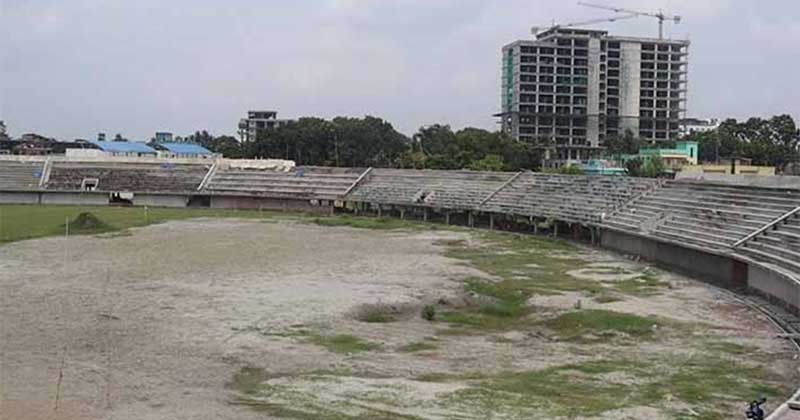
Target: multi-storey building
257, 121
699, 125
569, 90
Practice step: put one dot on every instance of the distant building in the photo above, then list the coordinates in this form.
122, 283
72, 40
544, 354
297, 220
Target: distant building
101, 136
123, 148
163, 137
731, 167
182, 150
698, 125
684, 154
258, 121
2, 128
602, 167
570, 89
34, 144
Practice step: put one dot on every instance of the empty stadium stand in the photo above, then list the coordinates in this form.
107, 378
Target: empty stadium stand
303, 182
705, 215
125, 176
463, 190
20, 175
570, 198
778, 244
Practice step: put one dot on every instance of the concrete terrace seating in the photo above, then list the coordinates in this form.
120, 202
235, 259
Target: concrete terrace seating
779, 246
125, 176
705, 215
304, 182
570, 198
20, 175
464, 190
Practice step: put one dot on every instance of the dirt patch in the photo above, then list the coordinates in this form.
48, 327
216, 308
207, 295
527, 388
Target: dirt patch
209, 319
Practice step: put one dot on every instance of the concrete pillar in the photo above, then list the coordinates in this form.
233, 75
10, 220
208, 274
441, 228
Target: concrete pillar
491, 221
447, 218
402, 214
471, 219
555, 229
535, 226
380, 211
425, 214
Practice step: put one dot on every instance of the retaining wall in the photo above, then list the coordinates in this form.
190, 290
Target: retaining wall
721, 270
777, 287
19, 197
263, 203
160, 200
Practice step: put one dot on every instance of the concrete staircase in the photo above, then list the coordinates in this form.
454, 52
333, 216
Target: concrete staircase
304, 182
570, 198
705, 215
20, 175
459, 190
121, 176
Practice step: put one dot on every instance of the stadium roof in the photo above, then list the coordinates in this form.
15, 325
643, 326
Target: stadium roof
186, 149
124, 147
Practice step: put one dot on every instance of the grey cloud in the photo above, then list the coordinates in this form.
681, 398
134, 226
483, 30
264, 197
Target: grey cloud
72, 68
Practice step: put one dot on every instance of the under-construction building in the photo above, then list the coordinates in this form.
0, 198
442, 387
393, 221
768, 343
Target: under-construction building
569, 90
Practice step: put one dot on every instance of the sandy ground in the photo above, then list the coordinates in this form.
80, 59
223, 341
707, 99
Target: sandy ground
153, 325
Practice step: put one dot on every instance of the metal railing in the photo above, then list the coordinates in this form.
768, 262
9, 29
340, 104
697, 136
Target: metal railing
767, 227
357, 181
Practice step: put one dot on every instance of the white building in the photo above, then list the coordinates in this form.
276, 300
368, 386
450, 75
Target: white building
699, 125
258, 121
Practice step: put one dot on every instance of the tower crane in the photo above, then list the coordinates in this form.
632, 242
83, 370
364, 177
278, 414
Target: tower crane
658, 15
535, 29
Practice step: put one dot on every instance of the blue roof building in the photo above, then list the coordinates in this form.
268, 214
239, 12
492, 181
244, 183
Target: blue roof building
125, 148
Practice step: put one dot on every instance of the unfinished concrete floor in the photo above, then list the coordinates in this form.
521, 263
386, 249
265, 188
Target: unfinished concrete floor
157, 323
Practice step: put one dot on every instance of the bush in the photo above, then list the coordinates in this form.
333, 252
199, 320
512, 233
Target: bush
429, 312
376, 313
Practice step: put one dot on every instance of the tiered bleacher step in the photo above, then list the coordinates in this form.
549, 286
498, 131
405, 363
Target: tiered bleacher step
778, 245
20, 175
459, 190
126, 176
570, 198
303, 182
705, 215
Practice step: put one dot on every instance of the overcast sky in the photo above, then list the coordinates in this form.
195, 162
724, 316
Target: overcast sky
72, 68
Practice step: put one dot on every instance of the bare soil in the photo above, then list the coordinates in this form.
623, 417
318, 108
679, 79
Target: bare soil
156, 325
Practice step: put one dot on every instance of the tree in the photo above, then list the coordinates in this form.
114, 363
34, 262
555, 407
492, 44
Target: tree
628, 144
653, 167
344, 141
772, 141
634, 167
488, 163
473, 148
228, 146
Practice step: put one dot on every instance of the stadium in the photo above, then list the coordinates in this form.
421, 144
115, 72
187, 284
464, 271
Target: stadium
217, 288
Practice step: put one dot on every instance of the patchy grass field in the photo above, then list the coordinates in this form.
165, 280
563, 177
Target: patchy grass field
375, 318
19, 222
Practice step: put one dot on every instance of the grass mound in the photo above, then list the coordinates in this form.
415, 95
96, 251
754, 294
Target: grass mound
87, 222
377, 223
575, 325
418, 346
377, 313
248, 380
344, 343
